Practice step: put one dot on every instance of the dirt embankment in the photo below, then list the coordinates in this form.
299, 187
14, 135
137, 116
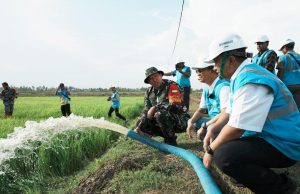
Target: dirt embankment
132, 167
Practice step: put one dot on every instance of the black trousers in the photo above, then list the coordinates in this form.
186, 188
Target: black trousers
65, 110
248, 160
111, 110
186, 96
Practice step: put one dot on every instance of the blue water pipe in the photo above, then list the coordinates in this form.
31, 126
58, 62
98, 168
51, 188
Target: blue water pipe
208, 184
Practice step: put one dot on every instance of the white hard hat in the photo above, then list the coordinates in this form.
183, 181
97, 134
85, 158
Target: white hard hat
262, 38
287, 41
112, 86
202, 66
222, 44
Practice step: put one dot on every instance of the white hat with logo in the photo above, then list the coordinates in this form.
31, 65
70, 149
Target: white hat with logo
287, 41
222, 44
262, 38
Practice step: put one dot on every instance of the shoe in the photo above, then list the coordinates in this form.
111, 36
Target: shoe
126, 122
171, 141
236, 183
289, 186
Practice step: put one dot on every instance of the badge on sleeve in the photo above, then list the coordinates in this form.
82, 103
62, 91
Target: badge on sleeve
174, 94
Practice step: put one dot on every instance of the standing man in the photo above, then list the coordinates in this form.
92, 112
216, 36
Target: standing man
65, 99
264, 123
163, 113
8, 96
289, 69
183, 74
213, 100
115, 104
265, 57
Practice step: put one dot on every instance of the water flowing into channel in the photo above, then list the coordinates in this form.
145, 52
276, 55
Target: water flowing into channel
45, 130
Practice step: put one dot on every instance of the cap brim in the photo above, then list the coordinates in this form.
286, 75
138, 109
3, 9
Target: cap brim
209, 60
146, 80
261, 41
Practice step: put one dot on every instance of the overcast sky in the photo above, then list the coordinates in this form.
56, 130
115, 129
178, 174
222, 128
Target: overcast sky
96, 43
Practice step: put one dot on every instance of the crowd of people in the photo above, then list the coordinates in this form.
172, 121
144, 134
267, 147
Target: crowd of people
248, 118
8, 95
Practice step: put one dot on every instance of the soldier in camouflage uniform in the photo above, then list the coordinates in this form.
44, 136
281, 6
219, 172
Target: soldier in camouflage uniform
163, 114
8, 96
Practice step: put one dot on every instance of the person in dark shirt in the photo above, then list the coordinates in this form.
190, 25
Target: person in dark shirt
8, 96
65, 99
163, 113
265, 57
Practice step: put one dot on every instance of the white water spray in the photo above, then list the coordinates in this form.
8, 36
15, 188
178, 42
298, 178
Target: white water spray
45, 130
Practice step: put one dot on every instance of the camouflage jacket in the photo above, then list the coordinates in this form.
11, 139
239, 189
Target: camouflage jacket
160, 99
8, 95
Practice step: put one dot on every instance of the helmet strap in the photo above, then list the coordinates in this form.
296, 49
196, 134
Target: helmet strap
223, 62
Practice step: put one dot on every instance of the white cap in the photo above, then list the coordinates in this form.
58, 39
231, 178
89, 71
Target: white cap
262, 38
287, 41
222, 44
202, 66
112, 86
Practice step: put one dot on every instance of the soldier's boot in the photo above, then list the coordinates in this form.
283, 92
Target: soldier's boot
166, 129
7, 115
171, 140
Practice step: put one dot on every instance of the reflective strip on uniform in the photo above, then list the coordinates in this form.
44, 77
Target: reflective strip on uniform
282, 111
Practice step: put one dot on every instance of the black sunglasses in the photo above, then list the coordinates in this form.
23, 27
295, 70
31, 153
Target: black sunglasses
203, 69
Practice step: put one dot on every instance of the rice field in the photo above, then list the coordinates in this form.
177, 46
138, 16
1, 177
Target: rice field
39, 161
40, 108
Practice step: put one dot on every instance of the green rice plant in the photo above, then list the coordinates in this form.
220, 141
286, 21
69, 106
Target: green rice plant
40, 108
37, 163
63, 155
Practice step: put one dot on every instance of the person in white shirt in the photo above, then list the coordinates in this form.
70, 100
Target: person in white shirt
213, 100
264, 123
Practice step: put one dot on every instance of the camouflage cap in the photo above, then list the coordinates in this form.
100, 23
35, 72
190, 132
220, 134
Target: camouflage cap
150, 71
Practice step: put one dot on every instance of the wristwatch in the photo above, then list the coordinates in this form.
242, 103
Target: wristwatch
203, 125
209, 150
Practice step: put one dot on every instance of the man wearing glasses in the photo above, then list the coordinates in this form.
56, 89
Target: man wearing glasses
213, 100
264, 123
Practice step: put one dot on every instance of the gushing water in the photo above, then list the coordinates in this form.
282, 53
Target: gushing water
45, 130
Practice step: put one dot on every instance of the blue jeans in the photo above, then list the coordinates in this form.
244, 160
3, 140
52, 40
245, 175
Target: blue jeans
200, 121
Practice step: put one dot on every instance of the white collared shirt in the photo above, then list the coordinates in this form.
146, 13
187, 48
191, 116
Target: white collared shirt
224, 95
251, 105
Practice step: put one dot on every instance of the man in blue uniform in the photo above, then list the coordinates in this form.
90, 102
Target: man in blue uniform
65, 99
289, 69
115, 104
265, 57
264, 123
183, 74
213, 100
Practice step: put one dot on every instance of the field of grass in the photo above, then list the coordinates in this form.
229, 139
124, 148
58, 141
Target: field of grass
39, 163
39, 108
